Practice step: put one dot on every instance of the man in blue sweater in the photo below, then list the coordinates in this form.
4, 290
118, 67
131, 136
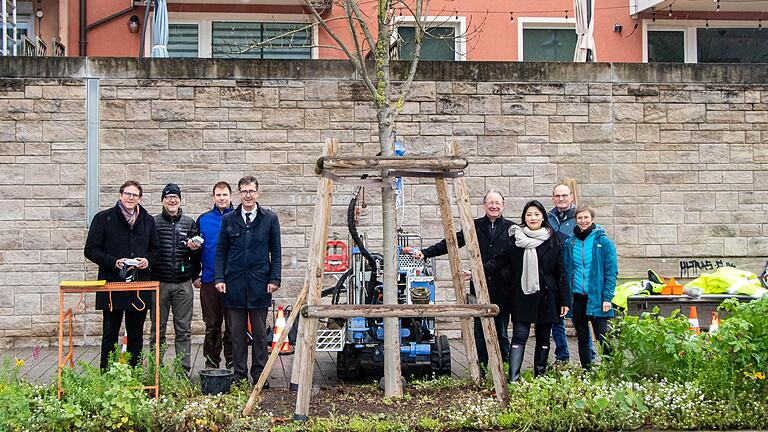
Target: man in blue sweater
563, 219
209, 225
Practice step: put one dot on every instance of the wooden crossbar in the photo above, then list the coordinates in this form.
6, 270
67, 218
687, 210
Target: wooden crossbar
400, 311
439, 163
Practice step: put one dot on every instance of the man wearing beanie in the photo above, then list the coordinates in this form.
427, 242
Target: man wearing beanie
174, 269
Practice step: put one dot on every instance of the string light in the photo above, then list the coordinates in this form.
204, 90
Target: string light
512, 17
760, 24
566, 14
707, 23
670, 11
718, 6
654, 17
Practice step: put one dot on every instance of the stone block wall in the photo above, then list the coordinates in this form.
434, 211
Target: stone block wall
673, 157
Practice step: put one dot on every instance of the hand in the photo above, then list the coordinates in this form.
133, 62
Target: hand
120, 263
143, 263
606, 306
419, 255
197, 283
272, 288
467, 275
563, 311
221, 287
192, 245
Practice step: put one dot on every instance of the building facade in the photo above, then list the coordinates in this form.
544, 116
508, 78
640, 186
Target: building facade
690, 31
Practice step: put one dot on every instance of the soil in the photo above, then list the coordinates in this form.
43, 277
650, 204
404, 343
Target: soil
367, 399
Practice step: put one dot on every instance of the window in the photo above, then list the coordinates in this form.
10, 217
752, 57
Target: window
214, 35
445, 41
183, 40
549, 45
438, 45
666, 46
241, 39
695, 42
731, 45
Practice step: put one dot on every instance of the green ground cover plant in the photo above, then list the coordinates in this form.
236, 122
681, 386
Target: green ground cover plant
659, 376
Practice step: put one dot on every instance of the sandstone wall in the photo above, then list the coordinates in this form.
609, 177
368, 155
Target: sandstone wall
674, 157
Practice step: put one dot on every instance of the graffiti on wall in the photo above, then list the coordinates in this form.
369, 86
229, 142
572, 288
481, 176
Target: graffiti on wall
694, 267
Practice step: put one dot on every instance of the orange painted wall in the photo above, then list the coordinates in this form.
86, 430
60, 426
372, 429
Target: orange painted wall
492, 36
109, 39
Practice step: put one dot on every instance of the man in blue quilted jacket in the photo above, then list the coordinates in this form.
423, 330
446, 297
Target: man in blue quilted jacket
247, 272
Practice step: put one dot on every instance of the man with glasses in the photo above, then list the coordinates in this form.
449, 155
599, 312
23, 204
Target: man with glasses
247, 273
563, 219
493, 239
122, 241
174, 269
209, 225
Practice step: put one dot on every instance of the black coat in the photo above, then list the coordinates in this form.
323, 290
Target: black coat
248, 258
492, 239
542, 306
174, 259
111, 238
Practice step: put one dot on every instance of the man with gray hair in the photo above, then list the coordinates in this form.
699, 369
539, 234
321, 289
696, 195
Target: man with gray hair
493, 239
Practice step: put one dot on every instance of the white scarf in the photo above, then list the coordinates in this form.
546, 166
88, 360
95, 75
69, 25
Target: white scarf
529, 240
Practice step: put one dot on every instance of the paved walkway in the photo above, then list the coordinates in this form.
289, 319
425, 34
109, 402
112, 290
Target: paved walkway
40, 365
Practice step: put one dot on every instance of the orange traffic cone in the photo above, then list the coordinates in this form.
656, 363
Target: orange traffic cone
124, 346
693, 319
714, 325
285, 348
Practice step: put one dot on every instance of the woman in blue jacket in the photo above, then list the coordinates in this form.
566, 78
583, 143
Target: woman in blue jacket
591, 269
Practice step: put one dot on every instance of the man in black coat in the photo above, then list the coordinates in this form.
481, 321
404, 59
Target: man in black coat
174, 269
493, 239
122, 240
247, 272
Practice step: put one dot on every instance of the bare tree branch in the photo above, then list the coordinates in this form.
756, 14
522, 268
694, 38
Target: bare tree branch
355, 62
414, 62
358, 48
363, 23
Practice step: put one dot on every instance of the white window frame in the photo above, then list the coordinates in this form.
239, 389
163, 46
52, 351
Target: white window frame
459, 25
205, 21
689, 29
541, 23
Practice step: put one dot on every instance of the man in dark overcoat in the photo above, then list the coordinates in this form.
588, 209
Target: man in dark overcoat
122, 240
247, 272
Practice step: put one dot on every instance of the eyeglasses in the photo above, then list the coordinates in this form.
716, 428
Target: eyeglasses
172, 197
563, 196
494, 203
131, 195
248, 192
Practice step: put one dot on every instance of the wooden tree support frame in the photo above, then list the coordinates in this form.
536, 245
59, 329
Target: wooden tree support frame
303, 366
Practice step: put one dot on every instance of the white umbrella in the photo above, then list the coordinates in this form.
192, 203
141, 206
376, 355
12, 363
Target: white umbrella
585, 23
160, 30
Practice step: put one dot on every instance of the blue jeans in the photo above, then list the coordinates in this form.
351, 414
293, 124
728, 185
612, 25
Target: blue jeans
561, 342
502, 322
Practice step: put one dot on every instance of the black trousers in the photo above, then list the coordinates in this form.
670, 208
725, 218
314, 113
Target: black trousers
134, 326
236, 321
211, 301
521, 331
581, 322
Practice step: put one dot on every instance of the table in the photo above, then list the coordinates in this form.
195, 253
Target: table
91, 287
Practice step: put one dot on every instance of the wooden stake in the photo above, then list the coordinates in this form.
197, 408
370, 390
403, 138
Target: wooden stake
467, 328
481, 288
315, 262
400, 310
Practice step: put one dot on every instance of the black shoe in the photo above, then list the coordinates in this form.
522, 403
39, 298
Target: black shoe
266, 385
540, 360
516, 362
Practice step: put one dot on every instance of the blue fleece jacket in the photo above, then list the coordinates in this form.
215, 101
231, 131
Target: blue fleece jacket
209, 225
596, 257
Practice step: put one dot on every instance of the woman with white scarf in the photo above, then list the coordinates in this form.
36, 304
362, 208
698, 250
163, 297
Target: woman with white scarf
540, 294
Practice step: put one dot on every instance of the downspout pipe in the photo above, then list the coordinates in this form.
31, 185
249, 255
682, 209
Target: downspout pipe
144, 29
83, 25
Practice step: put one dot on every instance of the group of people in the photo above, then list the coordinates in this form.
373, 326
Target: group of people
233, 255
549, 266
